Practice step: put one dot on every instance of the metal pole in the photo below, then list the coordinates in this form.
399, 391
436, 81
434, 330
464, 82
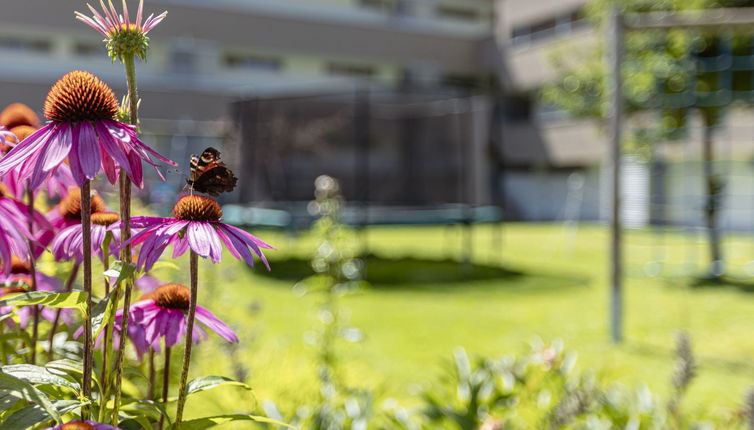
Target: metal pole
361, 124
615, 88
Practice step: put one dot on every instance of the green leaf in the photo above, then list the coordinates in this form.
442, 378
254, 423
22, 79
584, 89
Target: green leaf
208, 382
144, 408
102, 313
66, 365
76, 300
11, 385
39, 375
209, 422
7, 401
35, 414
142, 421
120, 270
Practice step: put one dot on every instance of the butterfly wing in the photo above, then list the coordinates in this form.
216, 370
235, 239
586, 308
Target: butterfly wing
209, 175
217, 179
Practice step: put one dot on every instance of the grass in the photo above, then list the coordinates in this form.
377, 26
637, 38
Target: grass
553, 284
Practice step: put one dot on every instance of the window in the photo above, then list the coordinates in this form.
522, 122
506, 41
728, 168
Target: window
343, 69
254, 62
458, 13
28, 45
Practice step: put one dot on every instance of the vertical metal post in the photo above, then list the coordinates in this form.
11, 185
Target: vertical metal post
615, 116
362, 137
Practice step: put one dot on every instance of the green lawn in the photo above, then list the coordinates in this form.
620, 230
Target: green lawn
558, 290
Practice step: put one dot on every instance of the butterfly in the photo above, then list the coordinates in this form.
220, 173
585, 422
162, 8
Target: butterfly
209, 175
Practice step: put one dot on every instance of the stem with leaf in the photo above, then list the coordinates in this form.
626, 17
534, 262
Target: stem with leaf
129, 62
86, 228
33, 273
68, 288
108, 330
194, 274
165, 385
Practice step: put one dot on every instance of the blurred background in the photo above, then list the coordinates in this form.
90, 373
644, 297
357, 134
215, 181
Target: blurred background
471, 148
285, 88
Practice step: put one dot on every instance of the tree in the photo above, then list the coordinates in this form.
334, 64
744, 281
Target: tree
660, 65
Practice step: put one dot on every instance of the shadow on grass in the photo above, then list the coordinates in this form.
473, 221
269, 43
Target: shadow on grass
416, 274
745, 285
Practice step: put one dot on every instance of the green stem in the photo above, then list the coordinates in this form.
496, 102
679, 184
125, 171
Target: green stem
86, 228
125, 216
194, 273
165, 386
3, 350
33, 266
68, 288
108, 335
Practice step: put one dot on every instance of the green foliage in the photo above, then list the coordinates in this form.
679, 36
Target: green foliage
337, 273
15, 389
541, 389
659, 71
209, 382
76, 300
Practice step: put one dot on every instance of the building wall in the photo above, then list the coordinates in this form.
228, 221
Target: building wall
209, 52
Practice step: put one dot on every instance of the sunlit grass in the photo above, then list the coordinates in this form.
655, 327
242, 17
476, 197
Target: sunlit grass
561, 292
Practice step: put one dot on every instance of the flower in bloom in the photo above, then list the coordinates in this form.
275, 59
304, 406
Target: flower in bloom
57, 184
83, 425
14, 232
81, 109
162, 314
196, 225
68, 243
68, 212
122, 36
19, 281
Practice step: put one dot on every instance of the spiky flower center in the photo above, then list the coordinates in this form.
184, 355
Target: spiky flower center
70, 206
105, 218
197, 208
18, 114
80, 96
171, 296
126, 39
77, 425
19, 266
4, 190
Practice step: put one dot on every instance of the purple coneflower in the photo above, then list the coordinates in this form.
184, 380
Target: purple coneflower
19, 281
121, 35
68, 243
83, 425
81, 109
161, 314
14, 232
197, 226
68, 212
58, 183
